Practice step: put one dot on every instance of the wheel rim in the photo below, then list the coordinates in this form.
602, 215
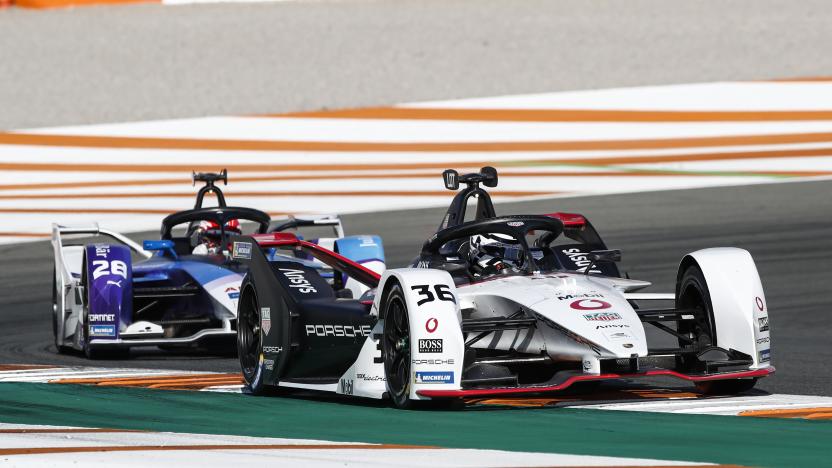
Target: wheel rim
397, 348
700, 328
248, 334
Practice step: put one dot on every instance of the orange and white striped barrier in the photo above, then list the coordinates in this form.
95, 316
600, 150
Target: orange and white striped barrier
128, 176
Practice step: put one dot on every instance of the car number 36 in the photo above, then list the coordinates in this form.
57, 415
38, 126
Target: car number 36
443, 292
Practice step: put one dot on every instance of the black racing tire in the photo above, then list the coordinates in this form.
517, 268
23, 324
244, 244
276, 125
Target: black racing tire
90, 353
250, 344
725, 387
692, 293
55, 315
395, 348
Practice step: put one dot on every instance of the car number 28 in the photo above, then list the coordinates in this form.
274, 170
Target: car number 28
103, 267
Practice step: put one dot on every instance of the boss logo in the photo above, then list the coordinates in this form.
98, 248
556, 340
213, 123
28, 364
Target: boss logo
338, 330
430, 345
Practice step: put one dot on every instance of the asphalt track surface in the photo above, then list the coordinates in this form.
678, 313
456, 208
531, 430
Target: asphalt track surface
785, 226
140, 62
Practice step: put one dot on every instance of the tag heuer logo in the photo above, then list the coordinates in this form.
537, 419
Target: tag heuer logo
763, 321
433, 345
266, 319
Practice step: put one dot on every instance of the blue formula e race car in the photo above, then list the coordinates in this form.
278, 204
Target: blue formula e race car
111, 294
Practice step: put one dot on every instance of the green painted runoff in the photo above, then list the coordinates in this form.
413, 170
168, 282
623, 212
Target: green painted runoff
695, 438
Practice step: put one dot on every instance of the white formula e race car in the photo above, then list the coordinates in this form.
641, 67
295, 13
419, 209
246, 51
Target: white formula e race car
497, 306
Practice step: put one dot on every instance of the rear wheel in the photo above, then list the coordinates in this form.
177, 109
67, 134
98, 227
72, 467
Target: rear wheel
395, 348
250, 343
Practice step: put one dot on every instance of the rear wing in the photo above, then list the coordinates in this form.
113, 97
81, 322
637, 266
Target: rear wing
298, 221
68, 257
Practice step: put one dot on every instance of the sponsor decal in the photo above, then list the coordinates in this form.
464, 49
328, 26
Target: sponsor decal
763, 322
430, 345
435, 377
241, 250
590, 304
431, 325
272, 349
578, 257
298, 281
765, 355
338, 330
268, 364
565, 297
627, 345
763, 340
515, 223
423, 264
601, 327
619, 336
102, 250
233, 293
587, 365
433, 362
346, 386
266, 319
370, 378
760, 304
114, 283
102, 330
602, 316
367, 241
102, 317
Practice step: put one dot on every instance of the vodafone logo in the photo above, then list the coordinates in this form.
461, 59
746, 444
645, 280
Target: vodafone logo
590, 304
431, 325
760, 304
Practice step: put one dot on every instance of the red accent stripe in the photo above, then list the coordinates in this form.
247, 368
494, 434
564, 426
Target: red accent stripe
276, 239
569, 220
583, 378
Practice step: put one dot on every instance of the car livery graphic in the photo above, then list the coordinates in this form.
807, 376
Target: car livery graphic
181, 290
500, 305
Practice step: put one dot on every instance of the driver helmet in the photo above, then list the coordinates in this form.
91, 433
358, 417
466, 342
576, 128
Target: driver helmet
209, 236
495, 253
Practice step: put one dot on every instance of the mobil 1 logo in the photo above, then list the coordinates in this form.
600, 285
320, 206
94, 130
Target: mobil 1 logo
430, 345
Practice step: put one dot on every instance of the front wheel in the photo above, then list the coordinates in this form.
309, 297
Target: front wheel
250, 343
56, 315
692, 293
395, 349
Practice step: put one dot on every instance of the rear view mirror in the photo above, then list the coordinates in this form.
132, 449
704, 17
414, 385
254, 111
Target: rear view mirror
490, 176
605, 256
451, 178
602, 256
164, 246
